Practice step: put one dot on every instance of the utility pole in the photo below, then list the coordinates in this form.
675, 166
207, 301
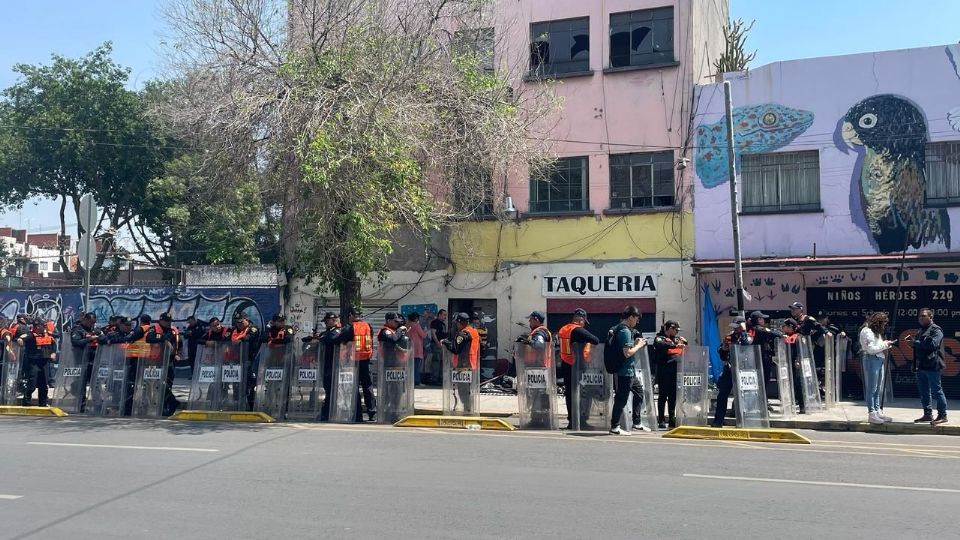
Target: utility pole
734, 201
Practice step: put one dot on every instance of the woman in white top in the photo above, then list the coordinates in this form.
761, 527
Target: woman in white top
873, 345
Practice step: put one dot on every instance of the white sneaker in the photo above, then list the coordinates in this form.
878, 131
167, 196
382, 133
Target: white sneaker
641, 427
617, 431
884, 417
874, 418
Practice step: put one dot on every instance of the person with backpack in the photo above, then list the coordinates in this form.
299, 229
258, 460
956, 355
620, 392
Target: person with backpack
618, 358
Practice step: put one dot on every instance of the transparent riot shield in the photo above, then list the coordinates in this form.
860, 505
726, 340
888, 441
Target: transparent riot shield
150, 385
12, 381
808, 381
461, 386
784, 367
648, 412
109, 388
394, 384
273, 379
344, 389
306, 392
73, 375
693, 399
749, 391
592, 388
536, 386
218, 377
839, 365
829, 371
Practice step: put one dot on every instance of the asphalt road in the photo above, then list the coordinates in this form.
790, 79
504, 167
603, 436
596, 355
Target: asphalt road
80, 478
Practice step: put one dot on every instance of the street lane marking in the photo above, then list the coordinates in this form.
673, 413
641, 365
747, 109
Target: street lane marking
124, 447
10, 497
818, 483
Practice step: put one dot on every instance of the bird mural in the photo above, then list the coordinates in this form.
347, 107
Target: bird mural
756, 129
953, 56
890, 134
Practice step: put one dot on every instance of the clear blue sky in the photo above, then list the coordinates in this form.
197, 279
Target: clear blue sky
784, 30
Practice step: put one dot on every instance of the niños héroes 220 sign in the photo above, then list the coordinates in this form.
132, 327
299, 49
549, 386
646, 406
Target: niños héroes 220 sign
632, 285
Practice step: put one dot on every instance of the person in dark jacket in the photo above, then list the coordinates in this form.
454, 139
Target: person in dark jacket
737, 336
573, 332
791, 333
39, 348
83, 337
668, 348
328, 338
164, 332
928, 363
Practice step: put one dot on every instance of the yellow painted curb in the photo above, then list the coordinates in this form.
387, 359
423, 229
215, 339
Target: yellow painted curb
16, 410
456, 422
737, 434
222, 416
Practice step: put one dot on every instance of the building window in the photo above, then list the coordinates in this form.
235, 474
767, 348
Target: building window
55, 267
474, 196
479, 42
641, 38
943, 174
641, 180
558, 47
563, 190
44, 266
781, 182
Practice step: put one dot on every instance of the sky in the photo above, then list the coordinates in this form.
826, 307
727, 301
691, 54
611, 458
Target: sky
784, 30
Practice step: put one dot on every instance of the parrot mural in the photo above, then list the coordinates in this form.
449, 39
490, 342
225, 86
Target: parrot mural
953, 55
890, 134
757, 129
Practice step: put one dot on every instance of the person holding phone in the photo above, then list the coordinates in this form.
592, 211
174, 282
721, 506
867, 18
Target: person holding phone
874, 347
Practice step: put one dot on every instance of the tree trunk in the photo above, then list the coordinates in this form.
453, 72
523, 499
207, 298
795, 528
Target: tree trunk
349, 290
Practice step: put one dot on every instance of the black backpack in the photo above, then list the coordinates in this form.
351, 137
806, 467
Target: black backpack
613, 358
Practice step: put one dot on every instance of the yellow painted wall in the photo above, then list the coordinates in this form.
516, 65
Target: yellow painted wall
474, 245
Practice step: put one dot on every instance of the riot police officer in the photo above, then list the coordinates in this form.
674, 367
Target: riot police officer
39, 349
83, 338
164, 332
328, 337
573, 332
467, 341
738, 336
361, 335
668, 348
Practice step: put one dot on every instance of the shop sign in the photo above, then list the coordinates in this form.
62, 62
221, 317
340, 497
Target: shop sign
594, 285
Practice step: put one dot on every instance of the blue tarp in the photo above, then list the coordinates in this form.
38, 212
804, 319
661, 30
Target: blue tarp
710, 335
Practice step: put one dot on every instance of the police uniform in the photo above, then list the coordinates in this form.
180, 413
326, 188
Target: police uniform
38, 349
250, 335
568, 335
467, 341
725, 383
360, 333
170, 334
84, 342
329, 338
667, 352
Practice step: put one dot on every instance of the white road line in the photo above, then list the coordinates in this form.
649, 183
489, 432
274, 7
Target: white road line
815, 483
171, 448
10, 497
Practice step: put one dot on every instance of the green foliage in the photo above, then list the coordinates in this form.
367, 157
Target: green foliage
734, 56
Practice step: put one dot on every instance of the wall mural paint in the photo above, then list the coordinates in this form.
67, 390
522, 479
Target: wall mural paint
757, 129
62, 305
953, 56
890, 135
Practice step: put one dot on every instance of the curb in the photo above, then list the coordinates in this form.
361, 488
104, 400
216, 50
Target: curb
736, 434
456, 422
221, 416
865, 427
17, 410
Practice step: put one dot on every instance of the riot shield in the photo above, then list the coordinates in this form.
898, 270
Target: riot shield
150, 385
461, 386
273, 379
693, 399
750, 394
648, 413
592, 388
108, 385
536, 386
394, 384
12, 381
829, 371
73, 374
808, 381
344, 386
306, 392
784, 367
839, 365
218, 381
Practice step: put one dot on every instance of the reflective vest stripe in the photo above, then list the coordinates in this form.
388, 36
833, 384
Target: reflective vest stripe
362, 340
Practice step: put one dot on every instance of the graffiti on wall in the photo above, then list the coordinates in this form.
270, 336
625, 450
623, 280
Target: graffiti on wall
953, 56
889, 181
757, 129
62, 305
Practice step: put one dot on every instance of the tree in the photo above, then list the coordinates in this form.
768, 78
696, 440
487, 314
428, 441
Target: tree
71, 128
362, 118
735, 57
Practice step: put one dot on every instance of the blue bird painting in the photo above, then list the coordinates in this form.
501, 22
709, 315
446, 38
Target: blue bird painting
891, 135
756, 129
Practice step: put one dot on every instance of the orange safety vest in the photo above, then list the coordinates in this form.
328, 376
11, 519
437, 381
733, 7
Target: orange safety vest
532, 356
362, 340
139, 348
236, 335
43, 340
566, 349
473, 355
791, 339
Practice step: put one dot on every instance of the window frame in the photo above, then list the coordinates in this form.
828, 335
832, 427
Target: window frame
549, 68
948, 200
633, 160
557, 169
747, 170
628, 21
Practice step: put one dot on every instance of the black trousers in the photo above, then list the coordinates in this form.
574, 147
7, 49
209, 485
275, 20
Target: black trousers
625, 387
366, 389
724, 387
566, 371
35, 378
170, 402
798, 389
667, 385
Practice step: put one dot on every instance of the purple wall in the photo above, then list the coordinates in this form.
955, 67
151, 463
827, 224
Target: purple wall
802, 105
